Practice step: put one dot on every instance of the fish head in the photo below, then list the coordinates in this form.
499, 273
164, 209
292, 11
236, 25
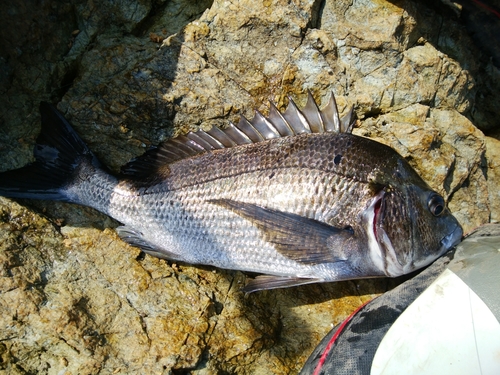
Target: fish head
409, 225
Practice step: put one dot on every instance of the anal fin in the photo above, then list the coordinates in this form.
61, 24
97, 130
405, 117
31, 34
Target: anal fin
265, 282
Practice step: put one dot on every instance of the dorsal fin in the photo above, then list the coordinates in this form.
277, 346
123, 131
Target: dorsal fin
292, 121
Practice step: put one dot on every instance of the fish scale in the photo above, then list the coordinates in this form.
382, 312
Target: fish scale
288, 171
294, 196
193, 200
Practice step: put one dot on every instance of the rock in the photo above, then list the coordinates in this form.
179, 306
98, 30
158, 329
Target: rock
76, 299
493, 176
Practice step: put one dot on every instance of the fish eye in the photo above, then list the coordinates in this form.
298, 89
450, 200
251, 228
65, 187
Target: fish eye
436, 204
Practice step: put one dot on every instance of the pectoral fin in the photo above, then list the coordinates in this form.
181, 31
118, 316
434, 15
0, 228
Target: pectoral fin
299, 238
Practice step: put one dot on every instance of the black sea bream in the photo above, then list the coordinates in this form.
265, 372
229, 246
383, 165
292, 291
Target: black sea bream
294, 196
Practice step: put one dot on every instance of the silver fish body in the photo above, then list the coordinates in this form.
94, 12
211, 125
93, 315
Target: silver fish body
293, 196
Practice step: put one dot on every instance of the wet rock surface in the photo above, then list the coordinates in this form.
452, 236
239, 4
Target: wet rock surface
76, 299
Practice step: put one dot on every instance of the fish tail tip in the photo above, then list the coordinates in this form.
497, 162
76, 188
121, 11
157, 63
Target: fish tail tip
58, 152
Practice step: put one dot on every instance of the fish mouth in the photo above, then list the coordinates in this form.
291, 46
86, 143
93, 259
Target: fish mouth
451, 239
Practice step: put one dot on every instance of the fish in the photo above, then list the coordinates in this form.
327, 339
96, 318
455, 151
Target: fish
295, 197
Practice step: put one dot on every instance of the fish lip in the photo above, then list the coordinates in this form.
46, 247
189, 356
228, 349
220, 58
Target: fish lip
452, 239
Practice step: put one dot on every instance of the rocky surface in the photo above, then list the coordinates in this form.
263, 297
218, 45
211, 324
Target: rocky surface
75, 299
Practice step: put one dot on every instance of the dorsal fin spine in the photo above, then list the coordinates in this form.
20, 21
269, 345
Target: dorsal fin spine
200, 141
173, 149
292, 121
347, 121
277, 119
221, 136
330, 116
236, 134
194, 145
215, 143
246, 127
264, 126
183, 145
313, 115
295, 118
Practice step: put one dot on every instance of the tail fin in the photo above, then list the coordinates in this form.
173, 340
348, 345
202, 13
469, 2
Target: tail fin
58, 153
